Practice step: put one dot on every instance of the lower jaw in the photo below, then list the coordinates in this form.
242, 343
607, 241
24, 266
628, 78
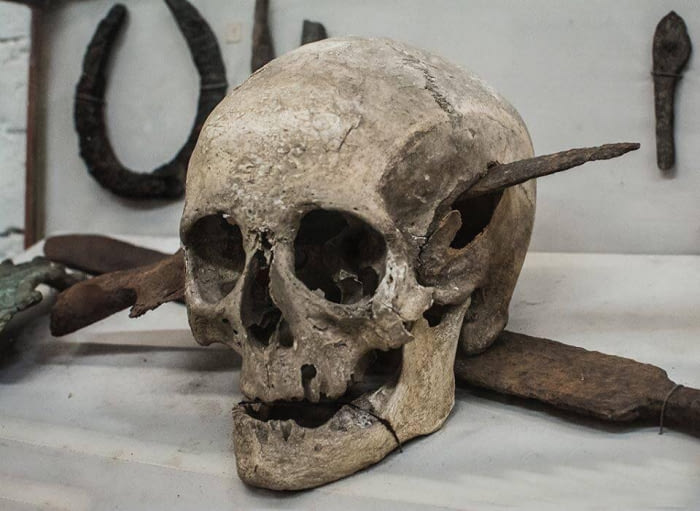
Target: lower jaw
282, 455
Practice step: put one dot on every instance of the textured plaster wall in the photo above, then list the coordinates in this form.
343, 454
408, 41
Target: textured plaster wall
14, 61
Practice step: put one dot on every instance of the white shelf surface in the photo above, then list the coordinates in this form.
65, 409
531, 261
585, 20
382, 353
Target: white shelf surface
133, 415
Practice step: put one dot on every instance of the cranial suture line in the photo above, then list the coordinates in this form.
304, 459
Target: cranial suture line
168, 180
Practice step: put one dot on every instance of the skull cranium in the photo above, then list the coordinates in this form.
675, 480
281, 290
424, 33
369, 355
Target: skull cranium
329, 240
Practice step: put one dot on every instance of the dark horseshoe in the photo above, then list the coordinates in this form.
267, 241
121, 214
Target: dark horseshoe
168, 180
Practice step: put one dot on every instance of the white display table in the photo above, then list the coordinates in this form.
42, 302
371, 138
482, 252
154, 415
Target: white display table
133, 415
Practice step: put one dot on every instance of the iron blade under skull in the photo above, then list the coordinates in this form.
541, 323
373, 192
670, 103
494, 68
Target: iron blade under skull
330, 238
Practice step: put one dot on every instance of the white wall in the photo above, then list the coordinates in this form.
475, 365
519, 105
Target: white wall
14, 62
578, 72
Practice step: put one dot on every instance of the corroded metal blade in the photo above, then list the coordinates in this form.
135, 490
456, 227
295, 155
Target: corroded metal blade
591, 383
142, 289
96, 254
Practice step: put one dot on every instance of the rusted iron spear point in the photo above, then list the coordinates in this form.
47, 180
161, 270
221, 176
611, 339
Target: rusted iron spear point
671, 51
501, 176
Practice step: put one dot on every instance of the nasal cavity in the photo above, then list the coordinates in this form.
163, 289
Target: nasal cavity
260, 316
308, 373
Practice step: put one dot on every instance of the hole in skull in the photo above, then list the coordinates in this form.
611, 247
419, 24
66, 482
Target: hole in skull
374, 370
476, 214
215, 251
284, 334
265, 240
308, 372
339, 255
435, 314
259, 314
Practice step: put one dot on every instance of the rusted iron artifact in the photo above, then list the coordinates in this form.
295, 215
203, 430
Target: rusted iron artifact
263, 49
142, 289
606, 387
671, 51
312, 31
509, 174
18, 283
96, 254
168, 180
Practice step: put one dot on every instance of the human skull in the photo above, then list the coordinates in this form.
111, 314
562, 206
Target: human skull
330, 239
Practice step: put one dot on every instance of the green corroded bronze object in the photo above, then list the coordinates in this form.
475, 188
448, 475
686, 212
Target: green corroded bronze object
18, 284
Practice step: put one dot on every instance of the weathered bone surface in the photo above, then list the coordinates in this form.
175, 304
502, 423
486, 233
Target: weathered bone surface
330, 239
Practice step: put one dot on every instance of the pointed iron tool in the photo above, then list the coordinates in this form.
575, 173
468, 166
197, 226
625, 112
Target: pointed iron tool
500, 176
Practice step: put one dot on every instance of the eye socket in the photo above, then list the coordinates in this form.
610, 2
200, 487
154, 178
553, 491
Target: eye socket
215, 251
340, 255
476, 214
